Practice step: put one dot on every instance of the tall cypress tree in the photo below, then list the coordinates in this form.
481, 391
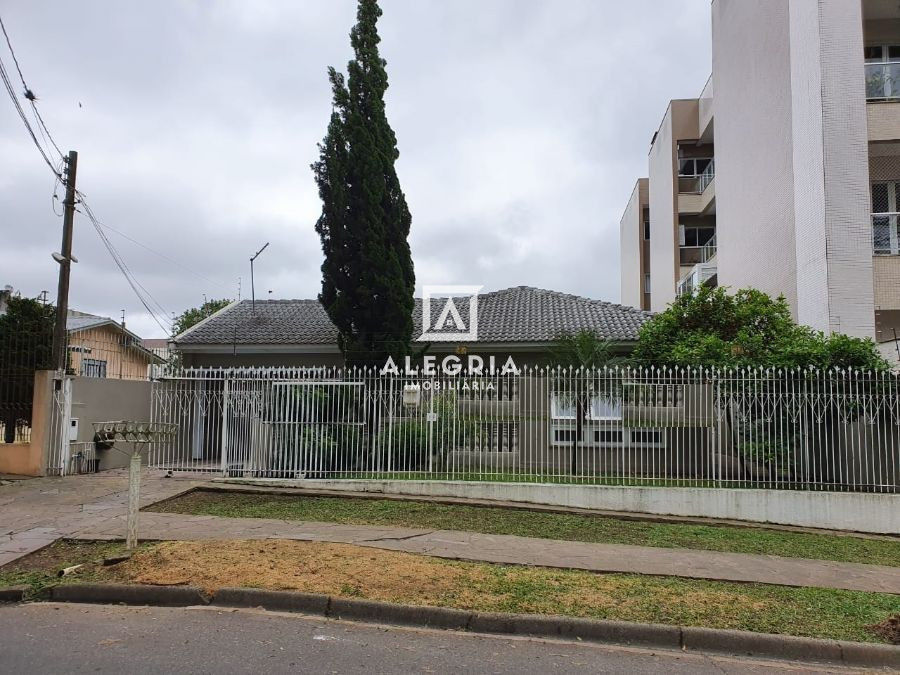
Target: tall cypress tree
367, 277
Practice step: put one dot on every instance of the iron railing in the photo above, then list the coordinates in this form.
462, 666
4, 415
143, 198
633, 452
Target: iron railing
784, 429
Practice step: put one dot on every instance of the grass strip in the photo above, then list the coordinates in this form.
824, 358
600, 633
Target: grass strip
524, 523
353, 571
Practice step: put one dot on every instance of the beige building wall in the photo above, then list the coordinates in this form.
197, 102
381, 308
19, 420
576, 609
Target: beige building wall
680, 123
831, 155
105, 343
754, 163
792, 184
631, 245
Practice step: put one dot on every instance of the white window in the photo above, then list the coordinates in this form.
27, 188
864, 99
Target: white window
882, 71
646, 283
606, 408
886, 217
562, 406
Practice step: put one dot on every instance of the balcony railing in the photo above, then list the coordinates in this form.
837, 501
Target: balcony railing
696, 184
708, 252
695, 255
886, 233
883, 81
702, 273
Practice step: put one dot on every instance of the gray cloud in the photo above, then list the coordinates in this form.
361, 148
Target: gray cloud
522, 125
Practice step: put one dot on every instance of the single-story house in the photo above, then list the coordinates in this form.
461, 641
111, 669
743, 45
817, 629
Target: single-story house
103, 348
522, 322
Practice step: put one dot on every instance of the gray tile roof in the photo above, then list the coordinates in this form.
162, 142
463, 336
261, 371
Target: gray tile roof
519, 314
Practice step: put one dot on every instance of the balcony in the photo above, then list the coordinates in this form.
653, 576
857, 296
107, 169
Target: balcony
886, 233
702, 274
695, 184
697, 255
883, 81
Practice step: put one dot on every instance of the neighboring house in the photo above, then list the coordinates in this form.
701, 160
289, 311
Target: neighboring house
521, 322
784, 174
103, 348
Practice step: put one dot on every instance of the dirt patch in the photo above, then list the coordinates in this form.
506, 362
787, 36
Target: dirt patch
336, 569
888, 630
63, 553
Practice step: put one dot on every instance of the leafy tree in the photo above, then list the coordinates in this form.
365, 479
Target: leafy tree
577, 354
747, 328
367, 276
195, 315
26, 339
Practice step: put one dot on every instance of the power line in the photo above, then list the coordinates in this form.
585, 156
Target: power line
29, 94
143, 295
163, 256
12, 95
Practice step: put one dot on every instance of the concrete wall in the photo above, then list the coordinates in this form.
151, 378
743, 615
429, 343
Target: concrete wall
844, 150
754, 164
680, 123
854, 512
631, 244
30, 459
792, 184
103, 400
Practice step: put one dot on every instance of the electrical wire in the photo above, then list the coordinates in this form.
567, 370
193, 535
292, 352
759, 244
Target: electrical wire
144, 296
42, 127
150, 304
4, 76
164, 256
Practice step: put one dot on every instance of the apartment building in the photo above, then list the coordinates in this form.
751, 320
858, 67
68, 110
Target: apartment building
784, 173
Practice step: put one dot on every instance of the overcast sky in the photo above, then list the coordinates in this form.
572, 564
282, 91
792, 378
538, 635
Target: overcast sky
522, 126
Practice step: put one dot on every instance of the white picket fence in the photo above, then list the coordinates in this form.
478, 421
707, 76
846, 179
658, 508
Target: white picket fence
791, 429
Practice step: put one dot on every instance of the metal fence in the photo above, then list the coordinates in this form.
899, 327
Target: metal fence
788, 429
24, 348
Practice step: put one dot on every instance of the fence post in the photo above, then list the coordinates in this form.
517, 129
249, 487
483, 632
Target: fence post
134, 497
224, 443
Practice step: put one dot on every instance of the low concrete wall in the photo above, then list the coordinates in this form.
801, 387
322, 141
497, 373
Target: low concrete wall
854, 512
21, 459
105, 399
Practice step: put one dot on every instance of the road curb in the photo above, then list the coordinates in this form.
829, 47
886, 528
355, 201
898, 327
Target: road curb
731, 642
162, 596
13, 593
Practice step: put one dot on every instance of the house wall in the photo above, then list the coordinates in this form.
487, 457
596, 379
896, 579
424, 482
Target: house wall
105, 343
30, 459
754, 158
631, 245
831, 166
229, 360
105, 400
680, 123
531, 356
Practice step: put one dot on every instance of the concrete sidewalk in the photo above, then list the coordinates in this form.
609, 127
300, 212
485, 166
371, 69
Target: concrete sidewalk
521, 551
35, 513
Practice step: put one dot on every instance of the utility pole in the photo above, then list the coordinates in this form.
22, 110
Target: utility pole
252, 284
65, 263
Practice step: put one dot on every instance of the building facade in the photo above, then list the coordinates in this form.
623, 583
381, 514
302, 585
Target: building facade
784, 174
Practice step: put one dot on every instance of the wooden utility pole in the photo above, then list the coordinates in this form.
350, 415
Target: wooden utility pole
65, 264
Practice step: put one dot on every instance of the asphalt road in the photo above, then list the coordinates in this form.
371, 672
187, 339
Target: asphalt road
58, 638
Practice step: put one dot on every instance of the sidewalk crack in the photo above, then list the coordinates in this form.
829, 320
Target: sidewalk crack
406, 538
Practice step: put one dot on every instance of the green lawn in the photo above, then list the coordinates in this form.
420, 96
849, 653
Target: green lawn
491, 520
